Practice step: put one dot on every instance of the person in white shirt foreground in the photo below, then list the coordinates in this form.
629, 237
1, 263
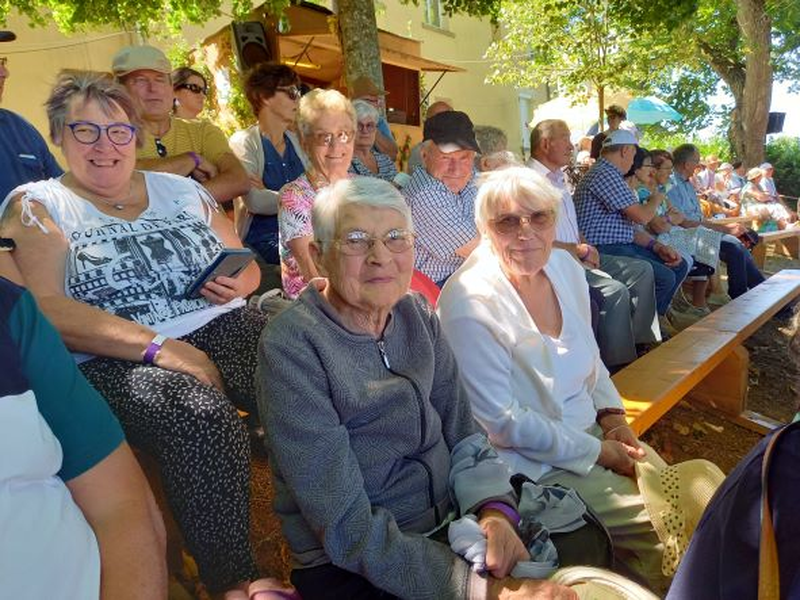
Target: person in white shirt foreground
517, 317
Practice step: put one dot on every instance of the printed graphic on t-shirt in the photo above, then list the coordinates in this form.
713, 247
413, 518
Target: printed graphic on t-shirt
141, 270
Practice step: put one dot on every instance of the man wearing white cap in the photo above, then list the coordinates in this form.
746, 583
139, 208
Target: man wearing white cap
767, 183
196, 149
24, 155
608, 213
442, 196
628, 311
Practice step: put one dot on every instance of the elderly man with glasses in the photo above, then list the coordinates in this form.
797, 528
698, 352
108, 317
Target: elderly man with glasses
196, 149
23, 152
442, 196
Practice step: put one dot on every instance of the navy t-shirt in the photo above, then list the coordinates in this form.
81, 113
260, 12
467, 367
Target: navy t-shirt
24, 155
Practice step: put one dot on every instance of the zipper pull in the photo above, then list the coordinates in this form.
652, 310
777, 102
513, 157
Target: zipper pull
382, 350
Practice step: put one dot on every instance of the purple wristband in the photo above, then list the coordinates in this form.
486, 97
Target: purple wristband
195, 158
153, 349
504, 508
651, 244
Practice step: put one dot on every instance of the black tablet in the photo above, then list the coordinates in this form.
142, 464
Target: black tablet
228, 263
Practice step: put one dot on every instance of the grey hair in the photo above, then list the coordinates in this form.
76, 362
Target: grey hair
490, 139
85, 87
525, 186
364, 191
544, 130
682, 154
318, 102
365, 111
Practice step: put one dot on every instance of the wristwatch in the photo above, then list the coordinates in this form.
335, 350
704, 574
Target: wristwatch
7, 244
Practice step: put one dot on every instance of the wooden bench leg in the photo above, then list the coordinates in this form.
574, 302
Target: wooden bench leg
725, 388
789, 246
760, 254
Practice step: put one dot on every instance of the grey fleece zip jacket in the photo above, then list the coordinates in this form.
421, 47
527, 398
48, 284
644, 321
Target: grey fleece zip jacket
371, 442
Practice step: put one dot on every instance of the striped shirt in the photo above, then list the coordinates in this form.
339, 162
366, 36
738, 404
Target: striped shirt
386, 168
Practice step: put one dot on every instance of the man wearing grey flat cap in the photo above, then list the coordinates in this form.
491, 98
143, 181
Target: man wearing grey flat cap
442, 196
24, 154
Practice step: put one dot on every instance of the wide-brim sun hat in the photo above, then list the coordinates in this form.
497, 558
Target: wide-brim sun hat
591, 583
675, 497
754, 173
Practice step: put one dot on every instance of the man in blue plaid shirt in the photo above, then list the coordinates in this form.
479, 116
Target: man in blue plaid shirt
608, 212
442, 196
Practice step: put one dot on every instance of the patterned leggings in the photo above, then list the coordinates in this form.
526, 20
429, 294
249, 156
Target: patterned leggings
198, 439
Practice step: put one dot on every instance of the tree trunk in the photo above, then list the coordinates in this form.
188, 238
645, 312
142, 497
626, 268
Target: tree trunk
358, 37
756, 27
601, 106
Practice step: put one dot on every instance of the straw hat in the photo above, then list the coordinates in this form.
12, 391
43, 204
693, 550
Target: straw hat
754, 173
591, 583
675, 498
364, 86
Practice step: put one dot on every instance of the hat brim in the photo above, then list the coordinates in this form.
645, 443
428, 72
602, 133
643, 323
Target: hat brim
456, 146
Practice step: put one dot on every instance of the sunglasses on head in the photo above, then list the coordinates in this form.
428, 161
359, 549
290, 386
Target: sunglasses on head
194, 88
292, 91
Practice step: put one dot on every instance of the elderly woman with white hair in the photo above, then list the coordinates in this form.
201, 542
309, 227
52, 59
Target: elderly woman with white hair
517, 316
326, 122
371, 439
368, 161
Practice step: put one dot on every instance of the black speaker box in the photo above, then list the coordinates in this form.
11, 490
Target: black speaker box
252, 46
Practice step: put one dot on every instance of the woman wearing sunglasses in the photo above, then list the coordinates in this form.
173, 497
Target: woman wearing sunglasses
518, 319
190, 89
326, 122
271, 155
109, 253
367, 160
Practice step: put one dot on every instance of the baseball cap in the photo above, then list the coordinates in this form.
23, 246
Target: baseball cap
7, 36
137, 58
620, 137
765, 166
451, 131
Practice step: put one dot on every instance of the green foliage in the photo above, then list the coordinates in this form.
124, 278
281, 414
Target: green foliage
669, 141
784, 154
569, 43
147, 16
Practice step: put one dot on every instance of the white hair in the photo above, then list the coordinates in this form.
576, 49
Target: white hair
525, 186
364, 191
365, 111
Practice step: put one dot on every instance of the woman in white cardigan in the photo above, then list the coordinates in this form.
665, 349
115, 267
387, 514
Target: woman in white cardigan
270, 153
517, 316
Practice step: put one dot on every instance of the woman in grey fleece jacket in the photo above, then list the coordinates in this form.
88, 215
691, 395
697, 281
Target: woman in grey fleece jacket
371, 440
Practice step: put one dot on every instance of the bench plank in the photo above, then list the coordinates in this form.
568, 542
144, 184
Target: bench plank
786, 238
653, 384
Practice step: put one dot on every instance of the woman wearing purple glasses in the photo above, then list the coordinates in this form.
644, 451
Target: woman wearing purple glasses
109, 253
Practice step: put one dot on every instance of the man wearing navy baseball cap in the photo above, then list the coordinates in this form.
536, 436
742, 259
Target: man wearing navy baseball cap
23, 152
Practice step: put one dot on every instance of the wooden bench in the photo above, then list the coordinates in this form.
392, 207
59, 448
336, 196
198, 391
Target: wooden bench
786, 239
706, 361
730, 220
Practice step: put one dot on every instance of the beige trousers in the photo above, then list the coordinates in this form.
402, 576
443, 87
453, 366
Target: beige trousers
617, 501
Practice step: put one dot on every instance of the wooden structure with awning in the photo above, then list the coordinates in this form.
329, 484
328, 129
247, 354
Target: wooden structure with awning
305, 40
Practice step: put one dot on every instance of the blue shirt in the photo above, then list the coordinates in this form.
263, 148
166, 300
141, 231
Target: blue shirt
443, 222
683, 196
24, 155
600, 198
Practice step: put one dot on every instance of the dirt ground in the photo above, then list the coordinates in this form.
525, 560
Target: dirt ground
686, 432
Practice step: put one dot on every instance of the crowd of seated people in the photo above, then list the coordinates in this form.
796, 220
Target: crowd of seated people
385, 419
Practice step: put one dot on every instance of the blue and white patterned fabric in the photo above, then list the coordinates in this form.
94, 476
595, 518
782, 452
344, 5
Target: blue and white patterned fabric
443, 222
386, 168
683, 196
600, 198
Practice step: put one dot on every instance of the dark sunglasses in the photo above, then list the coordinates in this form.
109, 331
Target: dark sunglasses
161, 149
292, 91
194, 88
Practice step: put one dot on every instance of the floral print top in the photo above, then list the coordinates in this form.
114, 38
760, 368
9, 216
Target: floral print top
294, 221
